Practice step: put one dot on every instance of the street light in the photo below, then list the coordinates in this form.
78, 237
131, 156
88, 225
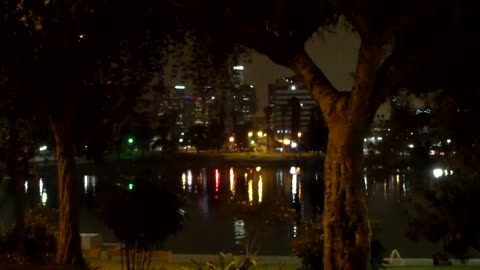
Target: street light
250, 134
299, 134
260, 134
231, 139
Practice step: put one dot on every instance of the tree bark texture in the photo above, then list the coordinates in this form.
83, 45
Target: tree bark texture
68, 238
346, 226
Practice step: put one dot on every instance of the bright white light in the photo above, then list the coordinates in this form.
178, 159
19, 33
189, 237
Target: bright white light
258, 168
44, 198
251, 86
437, 172
286, 141
293, 87
179, 87
42, 148
213, 98
410, 146
451, 172
40, 186
85, 183
449, 141
231, 139
294, 145
180, 140
293, 170
294, 184
189, 178
26, 186
238, 68
379, 138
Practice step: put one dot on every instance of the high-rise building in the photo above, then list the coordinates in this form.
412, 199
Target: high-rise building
244, 103
291, 106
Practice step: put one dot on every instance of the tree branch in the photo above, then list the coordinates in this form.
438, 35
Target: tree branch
369, 57
283, 52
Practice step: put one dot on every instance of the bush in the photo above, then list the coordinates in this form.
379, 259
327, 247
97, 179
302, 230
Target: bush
39, 240
142, 216
308, 246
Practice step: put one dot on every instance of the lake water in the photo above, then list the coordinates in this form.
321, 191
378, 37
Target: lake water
211, 226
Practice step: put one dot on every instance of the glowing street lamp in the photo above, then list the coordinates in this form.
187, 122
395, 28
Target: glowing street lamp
231, 139
250, 134
259, 134
299, 134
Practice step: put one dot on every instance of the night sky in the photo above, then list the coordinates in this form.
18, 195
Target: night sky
335, 54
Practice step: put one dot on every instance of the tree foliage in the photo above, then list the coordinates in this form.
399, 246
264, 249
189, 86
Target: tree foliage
443, 214
142, 217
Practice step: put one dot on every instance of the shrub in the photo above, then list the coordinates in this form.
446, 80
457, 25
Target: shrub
308, 246
39, 240
141, 216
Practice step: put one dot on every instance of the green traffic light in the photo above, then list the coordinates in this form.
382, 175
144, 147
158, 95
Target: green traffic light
130, 186
130, 140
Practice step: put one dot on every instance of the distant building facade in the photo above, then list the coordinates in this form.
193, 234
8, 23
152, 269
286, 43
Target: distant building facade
291, 105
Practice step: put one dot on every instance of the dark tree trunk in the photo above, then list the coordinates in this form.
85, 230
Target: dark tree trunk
345, 219
17, 173
68, 238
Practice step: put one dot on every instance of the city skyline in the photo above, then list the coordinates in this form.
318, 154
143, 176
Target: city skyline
335, 53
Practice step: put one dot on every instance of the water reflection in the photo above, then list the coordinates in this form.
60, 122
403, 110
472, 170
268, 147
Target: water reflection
42, 191
209, 188
232, 181
89, 183
239, 231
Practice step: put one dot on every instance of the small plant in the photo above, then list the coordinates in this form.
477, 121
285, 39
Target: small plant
223, 264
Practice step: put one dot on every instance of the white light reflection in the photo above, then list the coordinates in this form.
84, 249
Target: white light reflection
294, 187
232, 183
239, 230
44, 197
85, 183
260, 189
189, 180
40, 185
366, 183
89, 183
